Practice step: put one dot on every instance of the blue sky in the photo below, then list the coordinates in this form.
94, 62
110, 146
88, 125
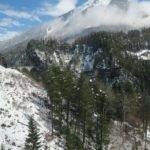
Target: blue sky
19, 15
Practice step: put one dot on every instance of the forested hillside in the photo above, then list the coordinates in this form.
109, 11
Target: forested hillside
93, 83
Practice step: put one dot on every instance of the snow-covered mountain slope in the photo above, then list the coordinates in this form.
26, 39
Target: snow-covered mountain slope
56, 27
123, 4
21, 98
97, 14
93, 3
67, 25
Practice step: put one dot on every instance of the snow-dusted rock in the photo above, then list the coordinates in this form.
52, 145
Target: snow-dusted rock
142, 54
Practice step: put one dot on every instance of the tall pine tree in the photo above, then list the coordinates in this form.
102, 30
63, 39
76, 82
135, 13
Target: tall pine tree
33, 139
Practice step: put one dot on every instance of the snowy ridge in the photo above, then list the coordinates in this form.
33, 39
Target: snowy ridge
21, 98
93, 3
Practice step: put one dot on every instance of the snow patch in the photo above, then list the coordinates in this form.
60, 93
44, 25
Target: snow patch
142, 54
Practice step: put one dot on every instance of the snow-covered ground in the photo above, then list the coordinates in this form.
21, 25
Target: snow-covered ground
21, 98
142, 54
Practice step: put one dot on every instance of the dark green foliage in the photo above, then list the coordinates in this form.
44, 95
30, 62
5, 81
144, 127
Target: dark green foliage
73, 107
54, 82
74, 142
101, 119
2, 147
33, 139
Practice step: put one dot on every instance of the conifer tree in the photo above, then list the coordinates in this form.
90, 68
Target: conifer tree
68, 89
54, 85
101, 105
86, 106
33, 139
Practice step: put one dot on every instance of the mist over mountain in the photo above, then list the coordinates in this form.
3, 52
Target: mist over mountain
107, 15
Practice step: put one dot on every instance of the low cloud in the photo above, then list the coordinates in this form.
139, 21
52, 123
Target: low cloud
135, 16
6, 35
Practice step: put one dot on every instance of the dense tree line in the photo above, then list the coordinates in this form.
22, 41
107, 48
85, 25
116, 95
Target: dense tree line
83, 106
80, 108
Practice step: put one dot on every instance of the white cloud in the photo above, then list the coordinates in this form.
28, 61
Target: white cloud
136, 16
9, 22
62, 7
11, 12
6, 35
